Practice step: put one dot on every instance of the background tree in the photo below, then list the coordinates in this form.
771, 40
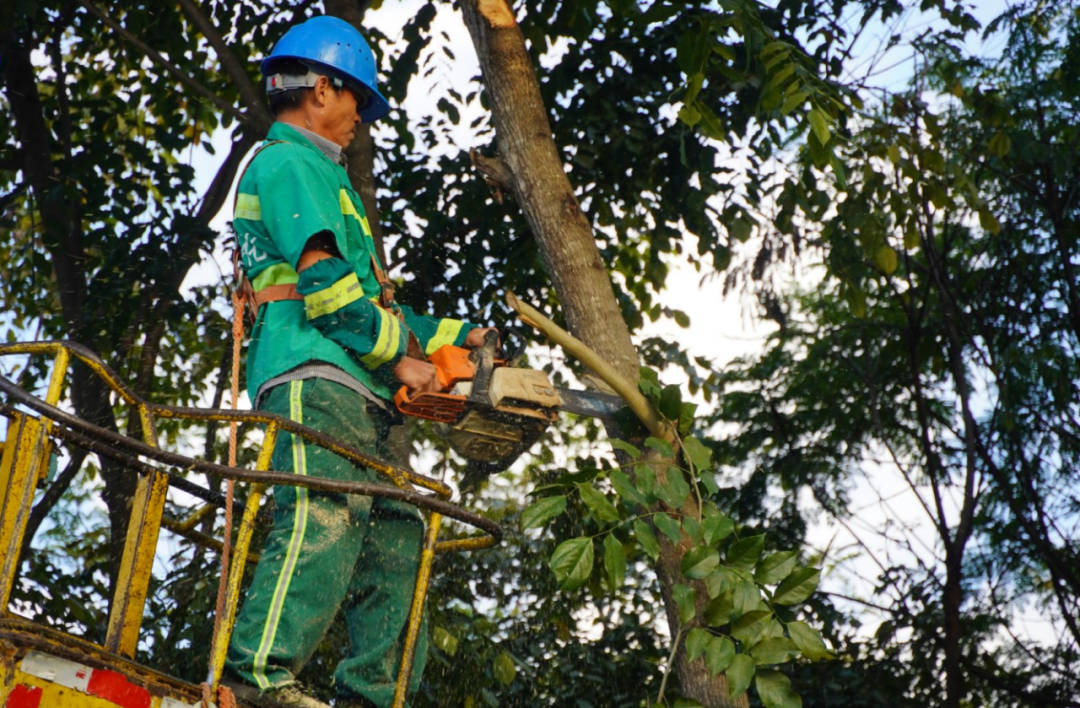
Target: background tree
939, 344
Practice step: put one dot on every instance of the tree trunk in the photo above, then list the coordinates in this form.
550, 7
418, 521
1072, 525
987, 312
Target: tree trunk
534, 175
360, 154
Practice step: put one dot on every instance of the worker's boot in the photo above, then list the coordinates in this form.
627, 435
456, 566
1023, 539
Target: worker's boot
289, 696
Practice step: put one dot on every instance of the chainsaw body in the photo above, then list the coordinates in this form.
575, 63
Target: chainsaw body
492, 412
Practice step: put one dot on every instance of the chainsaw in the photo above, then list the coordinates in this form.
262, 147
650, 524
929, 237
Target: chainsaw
492, 411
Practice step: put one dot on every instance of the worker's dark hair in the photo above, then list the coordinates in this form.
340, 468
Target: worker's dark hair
281, 101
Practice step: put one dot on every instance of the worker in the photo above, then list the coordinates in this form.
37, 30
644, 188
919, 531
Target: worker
327, 349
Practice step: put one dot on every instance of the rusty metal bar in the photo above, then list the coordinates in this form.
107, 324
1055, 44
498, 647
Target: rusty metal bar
25, 456
416, 611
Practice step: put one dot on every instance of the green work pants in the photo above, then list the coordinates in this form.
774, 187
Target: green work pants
327, 552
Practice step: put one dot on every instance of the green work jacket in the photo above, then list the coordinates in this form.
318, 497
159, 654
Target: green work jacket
291, 191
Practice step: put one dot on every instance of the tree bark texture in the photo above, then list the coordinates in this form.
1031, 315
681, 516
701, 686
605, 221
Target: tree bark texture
538, 182
541, 188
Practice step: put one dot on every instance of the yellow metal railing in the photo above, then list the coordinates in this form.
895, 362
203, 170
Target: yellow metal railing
24, 461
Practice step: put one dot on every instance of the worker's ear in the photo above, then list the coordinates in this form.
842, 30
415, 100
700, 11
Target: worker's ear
320, 89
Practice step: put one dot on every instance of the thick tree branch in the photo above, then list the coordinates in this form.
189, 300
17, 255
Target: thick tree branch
494, 169
218, 191
51, 496
541, 188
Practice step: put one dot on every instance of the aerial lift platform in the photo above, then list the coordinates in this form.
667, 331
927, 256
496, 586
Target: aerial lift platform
42, 667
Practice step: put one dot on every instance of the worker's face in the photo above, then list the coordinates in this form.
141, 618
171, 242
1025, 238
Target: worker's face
338, 114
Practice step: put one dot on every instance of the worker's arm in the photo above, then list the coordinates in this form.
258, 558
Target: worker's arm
335, 303
434, 332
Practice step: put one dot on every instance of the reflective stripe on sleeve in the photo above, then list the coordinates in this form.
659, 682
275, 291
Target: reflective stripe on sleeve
389, 341
333, 298
446, 334
277, 274
247, 207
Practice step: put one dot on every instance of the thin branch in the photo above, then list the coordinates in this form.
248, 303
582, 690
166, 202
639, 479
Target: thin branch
255, 121
51, 496
249, 92
670, 664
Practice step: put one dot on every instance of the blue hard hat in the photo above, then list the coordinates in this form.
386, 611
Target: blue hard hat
332, 43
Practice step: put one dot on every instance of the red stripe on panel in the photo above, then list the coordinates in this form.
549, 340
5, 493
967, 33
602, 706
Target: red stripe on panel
114, 687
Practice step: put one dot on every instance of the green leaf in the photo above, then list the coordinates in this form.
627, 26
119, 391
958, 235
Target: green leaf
692, 528
710, 124
645, 480
819, 122
745, 552
718, 611
691, 50
793, 100
989, 222
719, 654
696, 641
668, 526
699, 455
746, 597
632, 452
646, 538
689, 114
504, 669
739, 674
674, 490
543, 511
444, 640
773, 650
809, 641
894, 154
721, 580
797, 587
626, 489
649, 383
699, 561
686, 417
717, 528
774, 567
614, 561
686, 703
670, 402
886, 260
775, 691
599, 506
572, 562
661, 446
749, 627
1000, 144
741, 229
685, 599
